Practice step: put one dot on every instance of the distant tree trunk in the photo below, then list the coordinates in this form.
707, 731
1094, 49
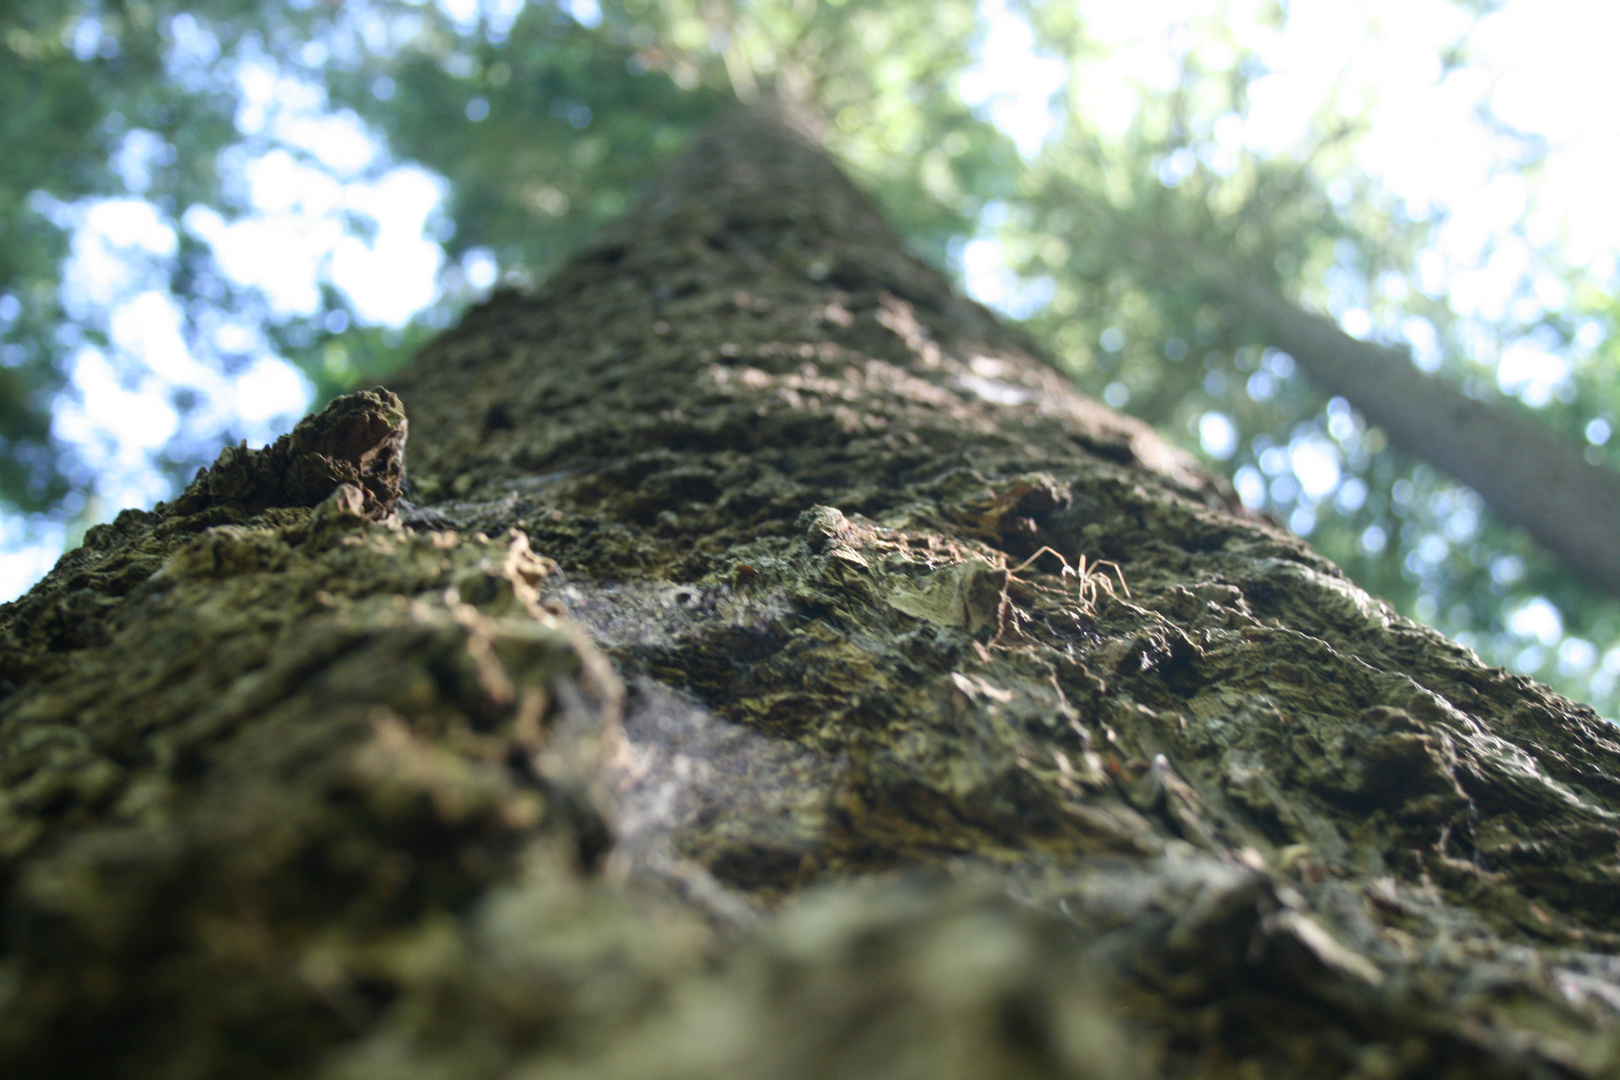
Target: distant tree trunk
1528, 476
744, 557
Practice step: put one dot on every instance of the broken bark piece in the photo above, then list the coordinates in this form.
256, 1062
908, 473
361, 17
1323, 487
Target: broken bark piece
358, 439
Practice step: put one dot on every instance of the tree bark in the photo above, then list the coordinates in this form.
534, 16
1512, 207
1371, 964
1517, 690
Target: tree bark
770, 670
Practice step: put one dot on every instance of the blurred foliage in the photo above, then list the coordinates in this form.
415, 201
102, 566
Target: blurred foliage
57, 128
542, 119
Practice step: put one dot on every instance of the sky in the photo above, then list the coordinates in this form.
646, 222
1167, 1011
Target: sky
1542, 65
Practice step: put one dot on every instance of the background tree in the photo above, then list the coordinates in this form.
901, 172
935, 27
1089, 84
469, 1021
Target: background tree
536, 122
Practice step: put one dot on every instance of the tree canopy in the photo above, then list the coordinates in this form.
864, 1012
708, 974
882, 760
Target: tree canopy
194, 197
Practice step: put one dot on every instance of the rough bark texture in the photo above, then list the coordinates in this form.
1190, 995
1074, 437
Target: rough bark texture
840, 695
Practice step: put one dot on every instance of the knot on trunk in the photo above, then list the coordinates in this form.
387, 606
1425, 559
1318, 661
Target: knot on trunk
358, 439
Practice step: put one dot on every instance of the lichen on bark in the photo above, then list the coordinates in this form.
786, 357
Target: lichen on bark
777, 670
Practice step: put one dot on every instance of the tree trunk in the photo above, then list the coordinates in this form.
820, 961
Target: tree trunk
1528, 476
745, 561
